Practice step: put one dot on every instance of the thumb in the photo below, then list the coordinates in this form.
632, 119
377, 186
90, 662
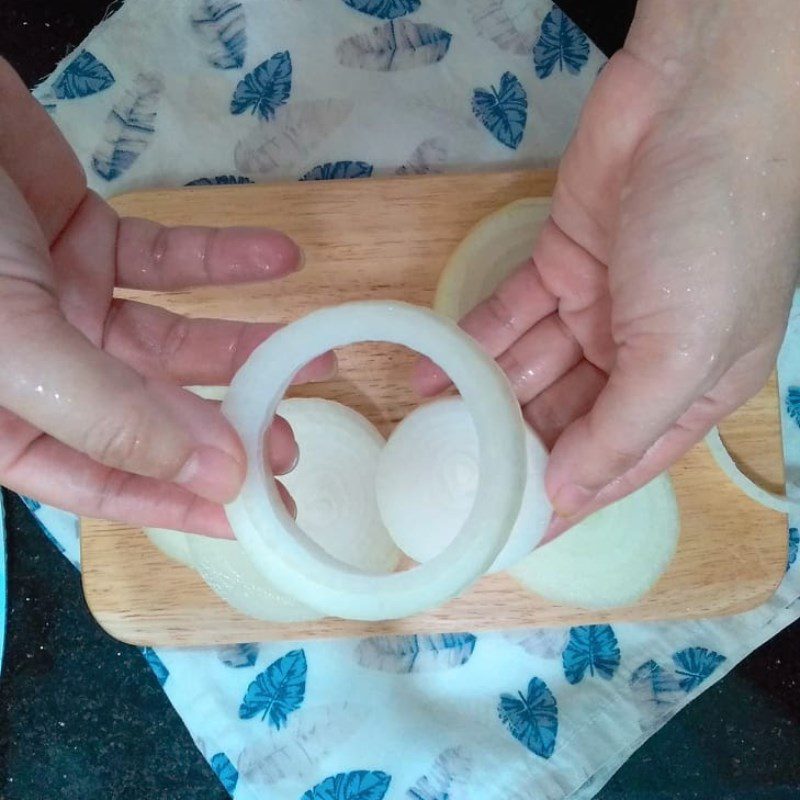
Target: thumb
648, 391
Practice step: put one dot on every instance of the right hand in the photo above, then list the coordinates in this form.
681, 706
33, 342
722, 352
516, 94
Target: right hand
92, 416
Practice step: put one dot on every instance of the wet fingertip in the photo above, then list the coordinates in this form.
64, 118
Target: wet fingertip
427, 378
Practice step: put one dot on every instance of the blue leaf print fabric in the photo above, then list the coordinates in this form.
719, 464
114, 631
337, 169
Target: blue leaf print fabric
561, 44
532, 718
129, 128
504, 111
394, 46
794, 541
335, 170
83, 76
219, 180
357, 785
277, 691
266, 88
444, 780
658, 685
416, 653
221, 26
238, 656
156, 664
592, 647
225, 771
384, 9
793, 403
31, 504
694, 664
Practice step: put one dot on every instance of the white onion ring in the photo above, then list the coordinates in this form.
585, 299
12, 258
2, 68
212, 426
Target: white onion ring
721, 454
284, 554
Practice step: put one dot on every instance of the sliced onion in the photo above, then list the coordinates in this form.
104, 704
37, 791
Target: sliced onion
721, 454
290, 559
490, 252
426, 481
332, 487
333, 482
209, 392
228, 571
173, 544
611, 558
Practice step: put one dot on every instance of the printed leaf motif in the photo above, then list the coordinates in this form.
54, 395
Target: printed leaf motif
266, 88
561, 44
793, 403
238, 655
358, 785
657, 685
416, 653
532, 718
543, 643
394, 46
222, 27
503, 112
427, 157
511, 24
592, 647
225, 771
295, 751
335, 170
794, 541
278, 148
278, 690
129, 128
385, 9
694, 665
156, 664
219, 180
84, 75
31, 504
450, 770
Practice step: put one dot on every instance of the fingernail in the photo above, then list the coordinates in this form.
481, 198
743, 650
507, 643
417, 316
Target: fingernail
212, 474
571, 499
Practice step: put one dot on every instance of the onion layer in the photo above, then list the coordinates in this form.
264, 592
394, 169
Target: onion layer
611, 558
290, 559
490, 252
426, 480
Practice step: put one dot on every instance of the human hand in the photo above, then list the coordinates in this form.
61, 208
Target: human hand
92, 416
657, 294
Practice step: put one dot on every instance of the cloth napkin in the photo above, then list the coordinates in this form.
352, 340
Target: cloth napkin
215, 91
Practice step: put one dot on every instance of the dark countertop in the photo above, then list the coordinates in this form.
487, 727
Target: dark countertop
82, 716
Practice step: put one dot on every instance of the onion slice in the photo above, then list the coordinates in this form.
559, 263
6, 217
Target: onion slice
488, 254
290, 559
611, 558
173, 544
721, 454
426, 480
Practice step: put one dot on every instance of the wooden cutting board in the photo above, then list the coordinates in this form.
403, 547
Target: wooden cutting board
389, 238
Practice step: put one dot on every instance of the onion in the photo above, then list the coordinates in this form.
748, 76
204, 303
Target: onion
490, 252
173, 544
290, 559
777, 502
426, 480
611, 558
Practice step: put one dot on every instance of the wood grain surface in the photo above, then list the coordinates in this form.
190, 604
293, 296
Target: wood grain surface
389, 238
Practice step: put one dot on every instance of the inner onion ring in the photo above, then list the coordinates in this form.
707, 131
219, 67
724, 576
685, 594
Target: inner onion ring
291, 560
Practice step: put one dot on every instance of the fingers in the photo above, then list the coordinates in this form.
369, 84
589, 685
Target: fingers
151, 256
161, 344
651, 387
569, 398
517, 304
